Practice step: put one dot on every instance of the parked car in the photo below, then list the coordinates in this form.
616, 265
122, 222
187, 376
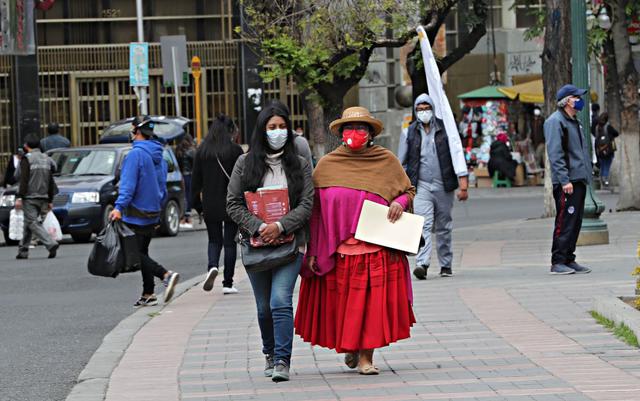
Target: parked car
87, 178
167, 129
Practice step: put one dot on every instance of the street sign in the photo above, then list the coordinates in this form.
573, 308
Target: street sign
139, 64
17, 24
196, 67
174, 53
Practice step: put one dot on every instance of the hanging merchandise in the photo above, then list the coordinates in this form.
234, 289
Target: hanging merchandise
482, 121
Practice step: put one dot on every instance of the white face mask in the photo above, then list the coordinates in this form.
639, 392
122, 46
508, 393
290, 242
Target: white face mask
277, 138
424, 116
536, 112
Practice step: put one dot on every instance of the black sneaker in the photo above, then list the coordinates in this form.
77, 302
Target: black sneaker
53, 251
579, 269
150, 301
22, 255
420, 272
268, 365
280, 372
446, 272
170, 282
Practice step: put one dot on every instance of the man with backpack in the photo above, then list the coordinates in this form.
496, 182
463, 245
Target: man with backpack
142, 193
571, 169
605, 146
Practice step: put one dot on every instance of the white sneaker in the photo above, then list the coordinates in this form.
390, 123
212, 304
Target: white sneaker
229, 290
211, 277
186, 226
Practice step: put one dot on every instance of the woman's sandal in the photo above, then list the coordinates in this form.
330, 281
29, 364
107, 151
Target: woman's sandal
351, 360
368, 370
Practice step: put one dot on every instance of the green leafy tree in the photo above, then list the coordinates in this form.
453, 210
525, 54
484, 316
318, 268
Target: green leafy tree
326, 45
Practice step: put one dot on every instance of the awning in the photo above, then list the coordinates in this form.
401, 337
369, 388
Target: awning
531, 92
487, 92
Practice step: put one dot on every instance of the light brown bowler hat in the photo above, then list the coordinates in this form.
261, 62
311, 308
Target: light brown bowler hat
356, 114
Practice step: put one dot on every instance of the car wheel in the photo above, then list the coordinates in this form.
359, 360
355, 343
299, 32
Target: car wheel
8, 241
105, 215
84, 237
170, 223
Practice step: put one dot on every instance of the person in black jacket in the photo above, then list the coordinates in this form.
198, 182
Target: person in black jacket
12, 172
501, 160
185, 153
605, 146
212, 167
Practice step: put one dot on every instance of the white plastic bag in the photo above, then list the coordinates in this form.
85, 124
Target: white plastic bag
16, 224
52, 226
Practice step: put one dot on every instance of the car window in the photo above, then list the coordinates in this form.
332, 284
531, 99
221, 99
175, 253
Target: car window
124, 129
171, 166
84, 162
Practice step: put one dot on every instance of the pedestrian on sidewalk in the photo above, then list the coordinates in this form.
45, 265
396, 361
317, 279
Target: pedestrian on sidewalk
605, 146
571, 167
54, 139
12, 171
35, 196
142, 194
355, 296
214, 161
273, 161
424, 152
185, 154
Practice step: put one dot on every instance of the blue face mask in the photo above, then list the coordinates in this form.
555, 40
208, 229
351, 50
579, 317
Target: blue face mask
578, 105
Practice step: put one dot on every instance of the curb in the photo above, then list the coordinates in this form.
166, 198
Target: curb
92, 382
615, 309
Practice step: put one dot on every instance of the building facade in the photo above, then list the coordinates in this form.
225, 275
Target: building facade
83, 58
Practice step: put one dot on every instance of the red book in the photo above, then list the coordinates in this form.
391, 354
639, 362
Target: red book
269, 205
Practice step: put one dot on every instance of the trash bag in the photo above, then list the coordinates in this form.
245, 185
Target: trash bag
52, 226
107, 257
16, 224
129, 245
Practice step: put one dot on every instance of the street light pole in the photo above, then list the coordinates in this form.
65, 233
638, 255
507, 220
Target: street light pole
142, 90
594, 230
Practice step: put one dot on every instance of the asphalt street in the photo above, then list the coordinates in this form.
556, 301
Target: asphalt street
53, 314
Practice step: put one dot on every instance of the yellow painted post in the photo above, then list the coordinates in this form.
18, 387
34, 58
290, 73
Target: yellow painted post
196, 71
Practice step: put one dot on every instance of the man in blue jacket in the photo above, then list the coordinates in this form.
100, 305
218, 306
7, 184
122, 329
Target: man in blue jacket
571, 169
142, 193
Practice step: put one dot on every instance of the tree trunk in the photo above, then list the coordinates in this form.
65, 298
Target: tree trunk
613, 105
556, 71
629, 140
316, 124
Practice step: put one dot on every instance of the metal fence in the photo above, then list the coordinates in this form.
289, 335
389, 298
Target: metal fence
85, 88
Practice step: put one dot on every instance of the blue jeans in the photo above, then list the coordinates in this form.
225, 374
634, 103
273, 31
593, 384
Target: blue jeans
605, 166
273, 290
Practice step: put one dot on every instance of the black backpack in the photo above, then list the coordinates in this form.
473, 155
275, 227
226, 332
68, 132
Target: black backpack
604, 143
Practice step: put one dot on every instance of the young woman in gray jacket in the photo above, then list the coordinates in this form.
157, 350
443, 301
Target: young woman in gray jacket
273, 161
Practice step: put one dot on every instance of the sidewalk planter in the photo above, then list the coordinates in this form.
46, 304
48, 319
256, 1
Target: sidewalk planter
619, 311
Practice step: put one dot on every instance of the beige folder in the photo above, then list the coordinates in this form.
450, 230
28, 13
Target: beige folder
374, 227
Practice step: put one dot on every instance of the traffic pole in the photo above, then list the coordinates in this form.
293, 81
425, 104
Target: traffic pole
196, 71
142, 90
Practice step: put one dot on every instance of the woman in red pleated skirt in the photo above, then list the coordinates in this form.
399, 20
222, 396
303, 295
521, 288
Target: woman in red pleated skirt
355, 296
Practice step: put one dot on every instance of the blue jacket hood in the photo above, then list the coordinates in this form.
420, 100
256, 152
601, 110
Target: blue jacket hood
151, 146
424, 98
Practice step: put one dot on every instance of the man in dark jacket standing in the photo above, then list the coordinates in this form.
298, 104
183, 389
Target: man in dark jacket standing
142, 193
425, 154
35, 196
54, 140
571, 170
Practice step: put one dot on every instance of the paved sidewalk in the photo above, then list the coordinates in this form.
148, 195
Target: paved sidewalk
500, 329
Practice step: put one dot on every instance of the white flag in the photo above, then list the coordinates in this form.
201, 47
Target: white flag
443, 109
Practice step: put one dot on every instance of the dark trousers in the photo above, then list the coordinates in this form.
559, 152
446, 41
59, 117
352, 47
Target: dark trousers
569, 213
149, 267
187, 195
220, 237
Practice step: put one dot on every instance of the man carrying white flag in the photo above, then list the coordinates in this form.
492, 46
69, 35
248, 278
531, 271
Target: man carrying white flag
431, 153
